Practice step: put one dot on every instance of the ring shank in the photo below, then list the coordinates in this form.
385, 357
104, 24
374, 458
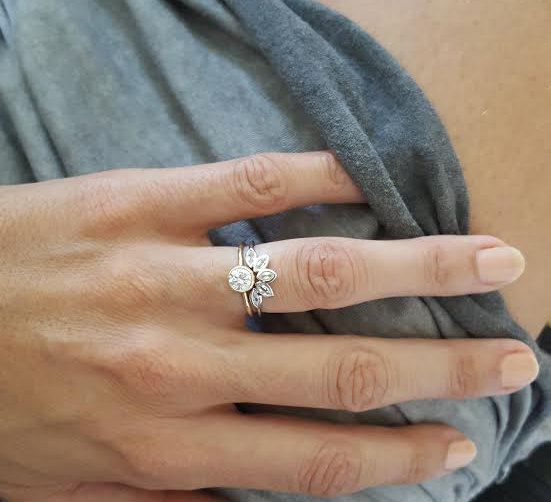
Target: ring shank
240, 261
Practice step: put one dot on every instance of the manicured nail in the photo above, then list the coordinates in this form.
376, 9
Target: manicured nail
518, 370
499, 265
460, 453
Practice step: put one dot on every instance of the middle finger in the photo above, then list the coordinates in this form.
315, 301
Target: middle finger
358, 374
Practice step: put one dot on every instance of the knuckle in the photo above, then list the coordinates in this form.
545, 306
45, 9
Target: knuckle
105, 204
260, 182
146, 463
436, 271
334, 172
326, 273
463, 377
152, 375
357, 379
133, 280
143, 466
333, 469
146, 372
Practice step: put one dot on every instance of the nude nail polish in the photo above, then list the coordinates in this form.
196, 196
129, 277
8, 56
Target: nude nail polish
518, 370
499, 265
460, 453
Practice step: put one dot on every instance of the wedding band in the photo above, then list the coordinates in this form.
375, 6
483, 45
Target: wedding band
251, 278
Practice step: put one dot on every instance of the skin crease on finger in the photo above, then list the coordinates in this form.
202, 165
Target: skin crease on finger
485, 67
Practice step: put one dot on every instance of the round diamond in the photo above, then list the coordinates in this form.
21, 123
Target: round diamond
241, 279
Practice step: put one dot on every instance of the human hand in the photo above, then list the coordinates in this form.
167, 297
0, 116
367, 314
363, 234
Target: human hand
122, 347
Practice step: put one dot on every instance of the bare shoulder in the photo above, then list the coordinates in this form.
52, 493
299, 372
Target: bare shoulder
485, 66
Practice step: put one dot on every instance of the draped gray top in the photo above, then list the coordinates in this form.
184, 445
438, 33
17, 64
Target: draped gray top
88, 85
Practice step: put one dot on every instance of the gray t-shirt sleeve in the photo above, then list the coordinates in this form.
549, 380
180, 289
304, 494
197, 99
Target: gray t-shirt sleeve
87, 85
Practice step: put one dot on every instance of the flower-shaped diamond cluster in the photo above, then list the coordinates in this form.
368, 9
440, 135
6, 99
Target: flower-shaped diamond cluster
263, 276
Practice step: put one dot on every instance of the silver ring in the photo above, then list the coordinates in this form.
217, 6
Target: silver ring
251, 277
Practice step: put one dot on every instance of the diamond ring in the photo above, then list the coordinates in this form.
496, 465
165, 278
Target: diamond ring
251, 277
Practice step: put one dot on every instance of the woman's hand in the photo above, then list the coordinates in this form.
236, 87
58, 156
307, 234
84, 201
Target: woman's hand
122, 347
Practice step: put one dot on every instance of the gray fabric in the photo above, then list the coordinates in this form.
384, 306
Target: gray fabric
87, 85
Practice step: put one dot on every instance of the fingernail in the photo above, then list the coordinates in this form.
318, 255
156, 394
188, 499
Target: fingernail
460, 453
499, 265
518, 370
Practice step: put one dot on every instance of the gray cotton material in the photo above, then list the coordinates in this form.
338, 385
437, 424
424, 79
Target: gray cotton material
88, 85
